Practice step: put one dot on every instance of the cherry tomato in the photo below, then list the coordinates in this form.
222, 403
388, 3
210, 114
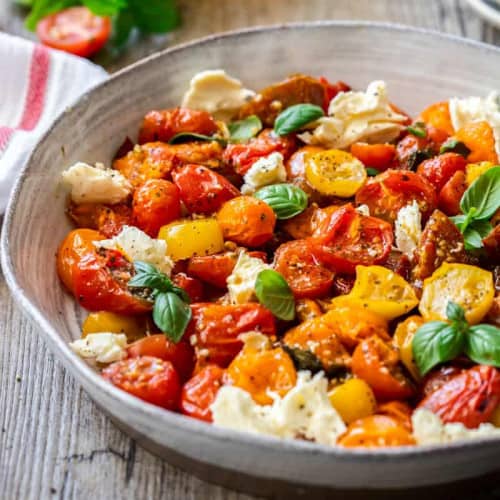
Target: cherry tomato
217, 327
200, 391
155, 203
202, 190
387, 193
438, 115
451, 194
331, 90
192, 286
296, 170
398, 411
299, 264
75, 30
469, 397
439, 170
377, 363
148, 378
347, 239
412, 150
379, 156
438, 377
162, 125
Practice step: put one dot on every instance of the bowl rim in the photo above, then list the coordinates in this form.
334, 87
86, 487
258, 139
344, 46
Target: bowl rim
82, 370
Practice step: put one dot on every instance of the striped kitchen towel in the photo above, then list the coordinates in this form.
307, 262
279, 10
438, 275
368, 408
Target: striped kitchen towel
36, 84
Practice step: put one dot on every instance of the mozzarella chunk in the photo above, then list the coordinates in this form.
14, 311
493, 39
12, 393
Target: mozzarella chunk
216, 92
264, 172
104, 347
357, 116
473, 109
428, 429
137, 245
363, 210
241, 282
96, 185
408, 228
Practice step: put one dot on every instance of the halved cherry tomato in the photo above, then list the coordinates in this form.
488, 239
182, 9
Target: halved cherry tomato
480, 139
469, 397
192, 286
296, 170
377, 363
202, 190
438, 377
181, 355
297, 261
354, 399
412, 150
399, 411
387, 193
216, 329
148, 378
403, 340
451, 194
379, 156
134, 327
331, 90
438, 115
155, 203
439, 170
347, 239
200, 391
75, 30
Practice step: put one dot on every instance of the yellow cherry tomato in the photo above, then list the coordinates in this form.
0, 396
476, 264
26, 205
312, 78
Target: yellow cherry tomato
381, 291
334, 172
469, 286
475, 170
134, 327
403, 339
191, 238
353, 399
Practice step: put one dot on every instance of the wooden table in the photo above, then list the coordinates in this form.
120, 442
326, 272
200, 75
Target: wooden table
54, 442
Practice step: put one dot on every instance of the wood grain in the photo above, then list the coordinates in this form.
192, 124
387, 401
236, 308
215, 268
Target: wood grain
54, 442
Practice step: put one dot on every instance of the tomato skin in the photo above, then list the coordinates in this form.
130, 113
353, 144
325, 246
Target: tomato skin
437, 115
148, 378
438, 377
439, 170
162, 125
200, 391
75, 30
181, 355
376, 362
217, 327
299, 264
451, 194
155, 203
202, 190
192, 286
399, 411
331, 90
469, 397
379, 156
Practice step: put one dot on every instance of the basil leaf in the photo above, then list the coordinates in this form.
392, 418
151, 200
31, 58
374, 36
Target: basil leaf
181, 293
417, 157
482, 344
372, 172
475, 233
155, 16
42, 8
286, 200
191, 137
455, 312
147, 276
295, 117
123, 25
483, 196
243, 130
434, 343
105, 7
273, 292
454, 146
303, 359
171, 315
417, 129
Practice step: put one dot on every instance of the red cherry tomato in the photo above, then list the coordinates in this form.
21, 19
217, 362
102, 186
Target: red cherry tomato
155, 203
469, 397
379, 156
200, 391
347, 239
76, 30
451, 194
203, 191
439, 170
181, 355
148, 378
192, 286
331, 90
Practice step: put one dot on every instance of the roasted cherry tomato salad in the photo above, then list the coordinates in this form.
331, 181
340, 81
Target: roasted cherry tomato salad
307, 261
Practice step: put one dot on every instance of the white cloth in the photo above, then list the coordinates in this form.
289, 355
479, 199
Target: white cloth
36, 84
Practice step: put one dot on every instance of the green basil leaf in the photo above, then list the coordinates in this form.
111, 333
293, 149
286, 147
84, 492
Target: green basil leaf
460, 221
303, 359
243, 130
42, 8
454, 146
417, 157
105, 7
475, 233
286, 200
295, 117
191, 137
155, 16
483, 196
417, 129
436, 342
171, 315
482, 344
123, 25
372, 172
147, 276
181, 293
273, 292
455, 312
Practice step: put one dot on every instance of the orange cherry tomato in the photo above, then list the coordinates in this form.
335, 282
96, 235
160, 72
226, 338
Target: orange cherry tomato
399, 411
377, 363
469, 397
451, 193
162, 125
379, 156
247, 221
75, 30
480, 139
439, 170
155, 203
148, 378
438, 115
200, 391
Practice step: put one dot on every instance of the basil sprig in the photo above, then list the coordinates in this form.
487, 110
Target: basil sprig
372, 172
478, 204
273, 292
171, 311
454, 146
243, 130
417, 129
286, 200
295, 117
439, 341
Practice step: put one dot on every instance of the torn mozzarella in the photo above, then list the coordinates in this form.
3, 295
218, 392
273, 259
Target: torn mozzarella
408, 228
104, 347
241, 282
264, 172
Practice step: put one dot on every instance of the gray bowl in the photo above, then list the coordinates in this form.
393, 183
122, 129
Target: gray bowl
420, 67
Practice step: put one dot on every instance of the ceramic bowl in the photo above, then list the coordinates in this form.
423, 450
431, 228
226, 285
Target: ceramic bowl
420, 67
